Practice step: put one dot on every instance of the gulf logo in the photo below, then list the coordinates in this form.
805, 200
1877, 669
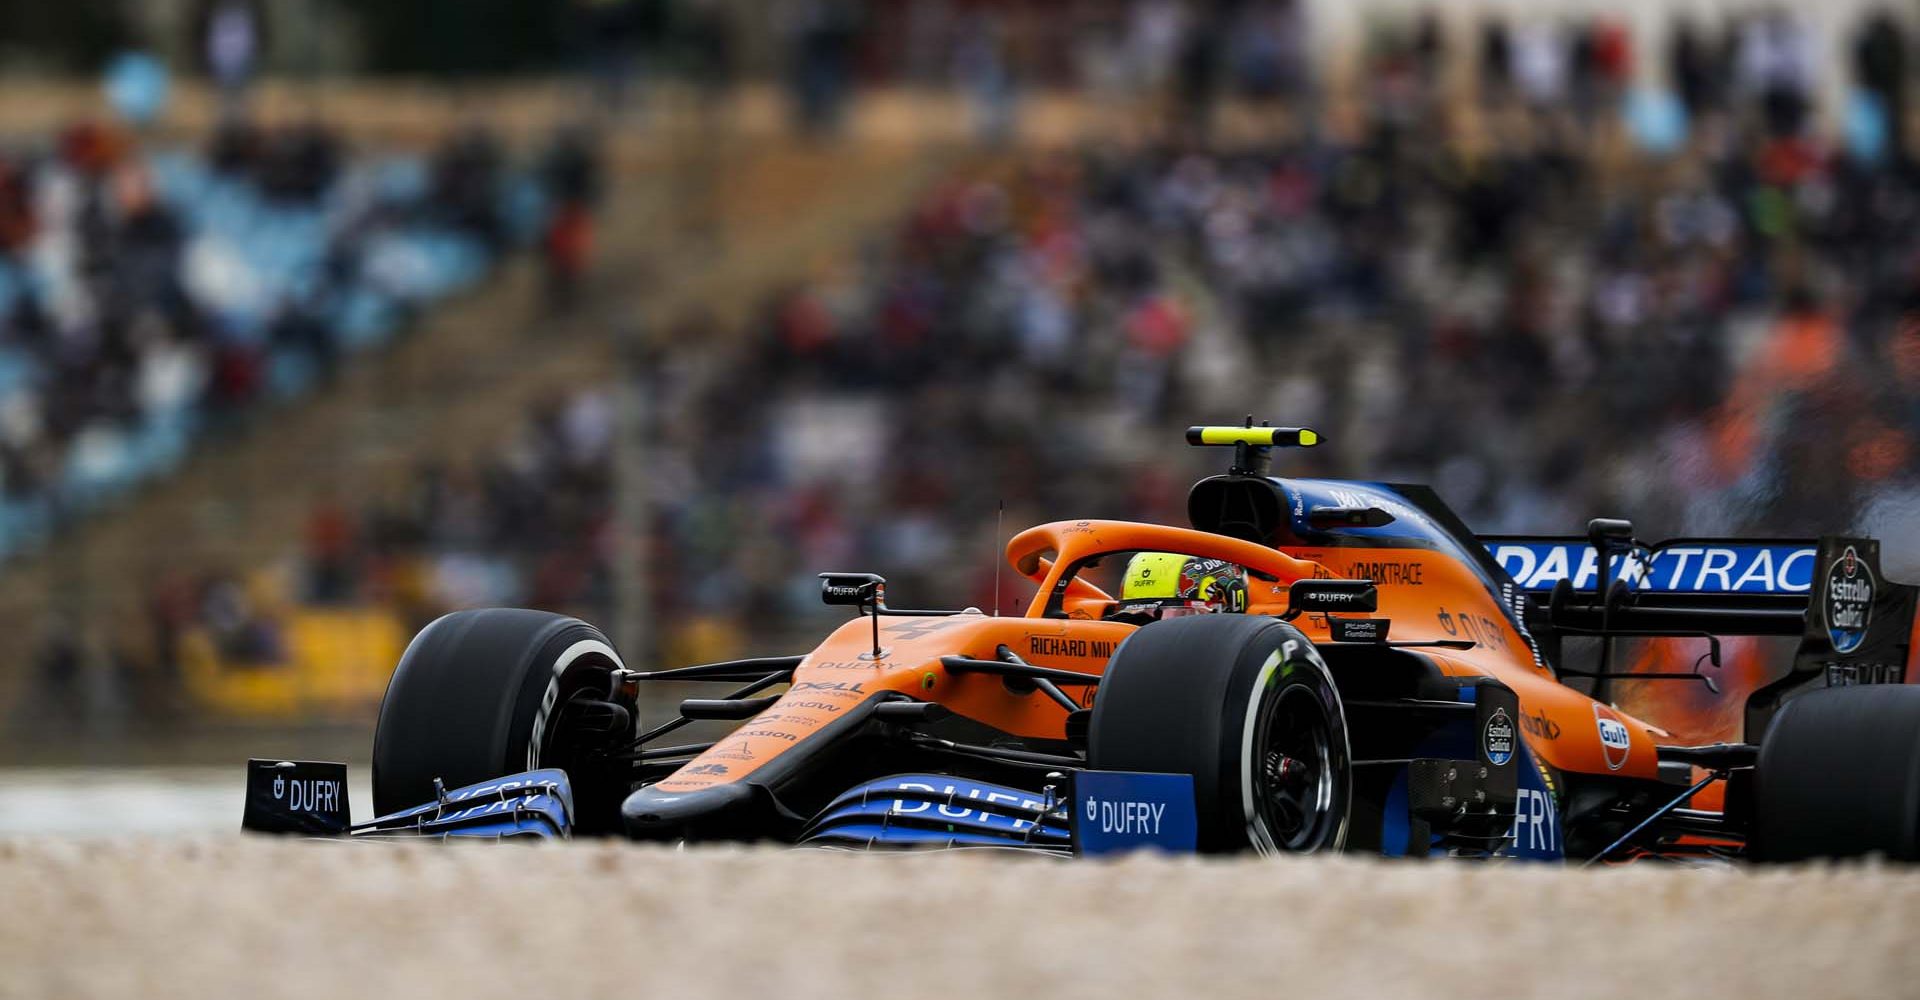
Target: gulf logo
1615, 741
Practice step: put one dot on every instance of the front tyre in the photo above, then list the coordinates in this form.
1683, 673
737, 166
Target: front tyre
1247, 707
484, 693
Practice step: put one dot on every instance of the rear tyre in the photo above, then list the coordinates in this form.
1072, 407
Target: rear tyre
1247, 707
1839, 776
479, 694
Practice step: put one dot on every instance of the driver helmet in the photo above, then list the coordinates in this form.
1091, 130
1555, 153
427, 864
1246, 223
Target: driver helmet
1172, 583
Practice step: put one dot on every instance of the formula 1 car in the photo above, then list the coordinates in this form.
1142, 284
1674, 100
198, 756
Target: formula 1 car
1315, 665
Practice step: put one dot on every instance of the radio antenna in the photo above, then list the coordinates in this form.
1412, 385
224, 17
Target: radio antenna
1000, 545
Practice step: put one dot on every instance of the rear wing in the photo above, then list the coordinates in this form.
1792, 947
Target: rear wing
1854, 625
1691, 567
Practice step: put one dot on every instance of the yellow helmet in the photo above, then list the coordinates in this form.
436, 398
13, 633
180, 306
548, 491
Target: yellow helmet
1171, 576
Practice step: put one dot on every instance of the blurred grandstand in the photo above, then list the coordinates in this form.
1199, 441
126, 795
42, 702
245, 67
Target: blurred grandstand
1558, 264
151, 296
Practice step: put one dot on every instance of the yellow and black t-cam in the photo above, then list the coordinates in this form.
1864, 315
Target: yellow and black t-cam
1259, 437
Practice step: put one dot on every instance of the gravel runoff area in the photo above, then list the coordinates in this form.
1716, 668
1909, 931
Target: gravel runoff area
247, 917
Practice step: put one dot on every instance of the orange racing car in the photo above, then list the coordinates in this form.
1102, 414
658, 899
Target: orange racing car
1313, 665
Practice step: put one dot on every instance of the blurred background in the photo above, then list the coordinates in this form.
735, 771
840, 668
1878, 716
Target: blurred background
319, 318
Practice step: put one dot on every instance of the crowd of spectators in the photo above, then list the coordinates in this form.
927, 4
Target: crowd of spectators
150, 295
1544, 321
1545, 305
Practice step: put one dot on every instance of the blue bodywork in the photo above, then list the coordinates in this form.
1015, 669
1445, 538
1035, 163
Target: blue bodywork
1104, 812
1534, 834
531, 804
937, 810
1683, 566
1419, 521
1113, 812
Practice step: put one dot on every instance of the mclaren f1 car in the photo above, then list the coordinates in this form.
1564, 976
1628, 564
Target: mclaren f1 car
1313, 665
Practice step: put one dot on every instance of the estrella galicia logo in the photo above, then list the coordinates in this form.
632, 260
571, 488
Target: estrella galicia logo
1849, 601
1497, 737
1615, 741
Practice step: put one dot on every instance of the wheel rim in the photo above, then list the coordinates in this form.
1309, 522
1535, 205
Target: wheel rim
1294, 783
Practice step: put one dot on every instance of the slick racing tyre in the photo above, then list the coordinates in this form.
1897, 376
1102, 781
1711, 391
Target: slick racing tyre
1839, 776
1246, 706
480, 694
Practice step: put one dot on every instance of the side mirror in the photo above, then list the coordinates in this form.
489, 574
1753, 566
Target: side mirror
1333, 596
1322, 518
854, 590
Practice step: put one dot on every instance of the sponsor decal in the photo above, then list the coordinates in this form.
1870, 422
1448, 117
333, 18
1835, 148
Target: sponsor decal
1539, 725
771, 734
1121, 811
1391, 573
287, 796
730, 749
1848, 601
817, 706
1496, 738
1126, 817
844, 665
1615, 741
1731, 568
1353, 498
1477, 627
498, 787
951, 810
713, 768
1849, 674
1536, 825
527, 801
1047, 645
316, 795
1535, 833
1358, 629
830, 687
846, 593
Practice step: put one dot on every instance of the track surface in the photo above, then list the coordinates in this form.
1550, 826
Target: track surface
247, 917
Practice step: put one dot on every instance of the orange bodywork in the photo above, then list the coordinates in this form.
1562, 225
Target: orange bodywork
1427, 594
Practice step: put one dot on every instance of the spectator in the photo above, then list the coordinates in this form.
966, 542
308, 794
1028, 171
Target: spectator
822, 35
330, 552
1695, 69
230, 36
466, 178
1880, 67
1776, 69
571, 173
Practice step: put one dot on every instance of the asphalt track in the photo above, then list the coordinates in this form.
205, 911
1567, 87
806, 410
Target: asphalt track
234, 916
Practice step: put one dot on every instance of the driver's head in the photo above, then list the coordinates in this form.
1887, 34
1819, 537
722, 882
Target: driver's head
1170, 576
